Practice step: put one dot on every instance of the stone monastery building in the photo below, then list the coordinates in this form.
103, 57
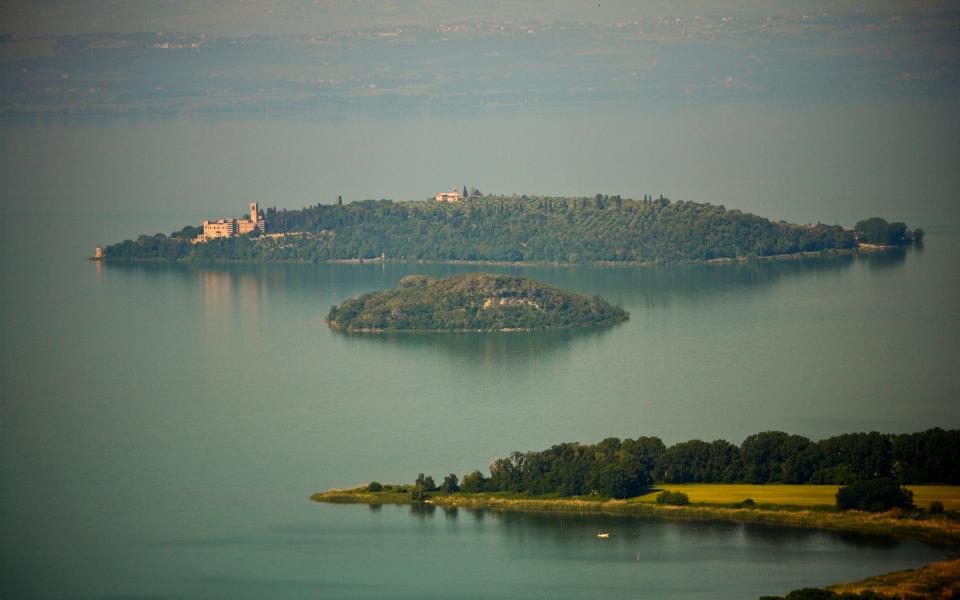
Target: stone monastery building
224, 228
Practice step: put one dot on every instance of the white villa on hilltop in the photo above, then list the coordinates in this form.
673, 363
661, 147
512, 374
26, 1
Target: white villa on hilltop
453, 196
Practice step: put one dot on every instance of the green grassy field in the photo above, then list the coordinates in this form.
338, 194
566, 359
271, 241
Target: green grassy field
796, 495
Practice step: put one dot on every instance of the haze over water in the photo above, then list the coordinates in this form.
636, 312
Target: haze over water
835, 162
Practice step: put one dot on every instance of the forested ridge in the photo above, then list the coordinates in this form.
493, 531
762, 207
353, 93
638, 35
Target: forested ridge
502, 228
623, 468
478, 301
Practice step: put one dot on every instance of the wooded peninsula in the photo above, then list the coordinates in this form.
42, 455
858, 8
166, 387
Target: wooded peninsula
474, 302
768, 479
643, 476
602, 229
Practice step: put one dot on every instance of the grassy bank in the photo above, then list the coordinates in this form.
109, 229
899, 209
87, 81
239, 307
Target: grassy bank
940, 579
936, 580
942, 530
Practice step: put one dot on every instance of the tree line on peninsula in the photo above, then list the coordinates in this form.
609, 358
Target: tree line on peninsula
512, 229
625, 468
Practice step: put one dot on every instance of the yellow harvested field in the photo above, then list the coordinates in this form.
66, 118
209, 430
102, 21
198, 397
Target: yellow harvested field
800, 495
923, 495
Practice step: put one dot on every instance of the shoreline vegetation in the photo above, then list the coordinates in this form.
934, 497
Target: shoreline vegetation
939, 579
905, 484
474, 302
862, 248
943, 530
517, 230
867, 483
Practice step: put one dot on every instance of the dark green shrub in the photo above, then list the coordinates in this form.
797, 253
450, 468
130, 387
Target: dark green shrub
374, 486
874, 495
672, 498
748, 503
936, 507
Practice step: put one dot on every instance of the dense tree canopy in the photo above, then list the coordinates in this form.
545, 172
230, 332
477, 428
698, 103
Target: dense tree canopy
477, 301
777, 457
852, 456
474, 482
425, 482
698, 461
878, 231
618, 469
610, 468
501, 228
450, 484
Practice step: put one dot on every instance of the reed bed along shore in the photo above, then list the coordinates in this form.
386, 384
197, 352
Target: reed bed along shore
940, 579
915, 525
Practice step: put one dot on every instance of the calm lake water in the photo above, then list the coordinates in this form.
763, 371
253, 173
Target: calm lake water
162, 426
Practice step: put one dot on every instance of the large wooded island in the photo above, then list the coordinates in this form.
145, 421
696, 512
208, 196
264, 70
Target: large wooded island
601, 229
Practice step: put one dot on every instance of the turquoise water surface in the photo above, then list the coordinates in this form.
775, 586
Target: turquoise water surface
163, 426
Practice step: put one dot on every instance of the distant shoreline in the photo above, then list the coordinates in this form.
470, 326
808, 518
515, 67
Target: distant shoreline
936, 531
864, 248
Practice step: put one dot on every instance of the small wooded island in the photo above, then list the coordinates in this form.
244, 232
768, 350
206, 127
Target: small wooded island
473, 302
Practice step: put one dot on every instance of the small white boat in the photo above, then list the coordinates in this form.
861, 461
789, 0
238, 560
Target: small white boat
603, 535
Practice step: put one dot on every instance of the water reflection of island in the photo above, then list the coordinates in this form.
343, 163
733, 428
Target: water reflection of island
615, 283
889, 257
483, 346
233, 298
251, 288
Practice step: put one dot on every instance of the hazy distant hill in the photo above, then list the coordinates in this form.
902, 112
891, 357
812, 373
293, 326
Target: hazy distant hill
228, 17
409, 61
